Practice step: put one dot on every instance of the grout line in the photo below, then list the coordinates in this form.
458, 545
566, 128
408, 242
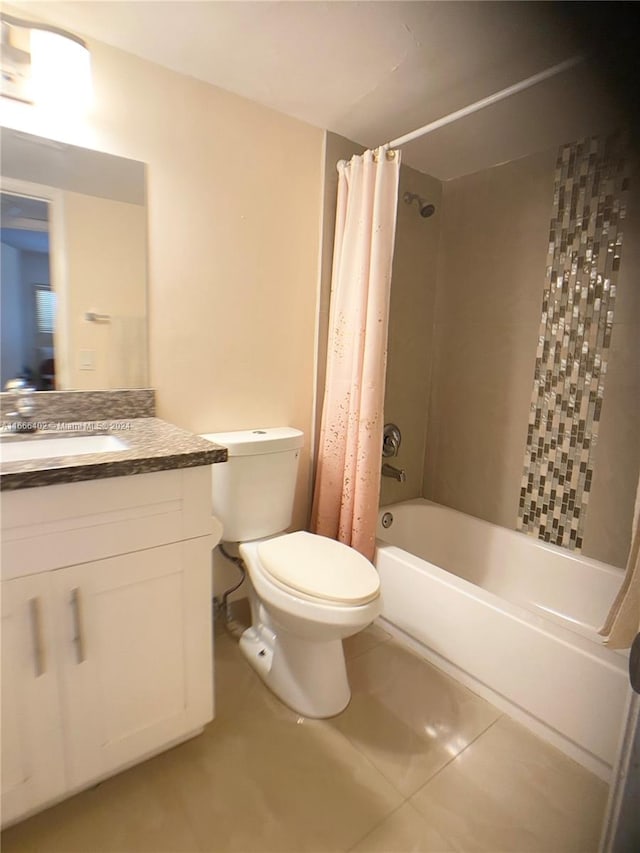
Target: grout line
354, 744
354, 656
379, 823
455, 757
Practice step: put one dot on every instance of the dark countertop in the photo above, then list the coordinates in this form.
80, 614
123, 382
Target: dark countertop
153, 445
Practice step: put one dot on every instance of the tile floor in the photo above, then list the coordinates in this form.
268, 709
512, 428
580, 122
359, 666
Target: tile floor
416, 763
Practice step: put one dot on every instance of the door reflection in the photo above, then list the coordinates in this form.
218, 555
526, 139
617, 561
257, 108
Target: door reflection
28, 303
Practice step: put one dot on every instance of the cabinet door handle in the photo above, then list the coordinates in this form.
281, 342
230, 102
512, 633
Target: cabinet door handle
36, 635
78, 629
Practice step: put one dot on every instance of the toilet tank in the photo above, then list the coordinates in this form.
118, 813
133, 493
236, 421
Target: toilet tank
253, 491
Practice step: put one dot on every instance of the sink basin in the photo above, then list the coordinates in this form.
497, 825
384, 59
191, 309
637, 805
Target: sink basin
25, 449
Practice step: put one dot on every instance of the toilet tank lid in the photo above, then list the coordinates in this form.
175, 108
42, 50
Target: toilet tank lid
251, 442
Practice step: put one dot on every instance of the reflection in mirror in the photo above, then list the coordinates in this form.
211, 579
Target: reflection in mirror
73, 286
27, 309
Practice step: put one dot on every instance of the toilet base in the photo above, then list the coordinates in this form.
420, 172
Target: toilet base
309, 676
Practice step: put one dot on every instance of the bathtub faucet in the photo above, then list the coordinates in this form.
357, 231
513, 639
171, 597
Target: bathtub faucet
397, 473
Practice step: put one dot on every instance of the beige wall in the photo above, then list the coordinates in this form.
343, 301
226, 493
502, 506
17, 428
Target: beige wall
411, 328
491, 277
234, 201
492, 266
105, 258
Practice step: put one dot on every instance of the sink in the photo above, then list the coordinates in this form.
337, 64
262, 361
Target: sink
25, 449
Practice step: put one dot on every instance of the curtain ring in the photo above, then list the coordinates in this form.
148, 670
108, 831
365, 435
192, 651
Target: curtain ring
390, 154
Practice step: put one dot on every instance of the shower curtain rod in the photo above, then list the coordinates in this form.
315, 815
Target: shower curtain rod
485, 102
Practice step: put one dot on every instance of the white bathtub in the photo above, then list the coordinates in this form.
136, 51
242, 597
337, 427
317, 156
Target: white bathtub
514, 619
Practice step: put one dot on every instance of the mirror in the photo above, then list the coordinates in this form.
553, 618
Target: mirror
74, 260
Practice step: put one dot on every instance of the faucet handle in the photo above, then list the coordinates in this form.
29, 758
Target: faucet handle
391, 438
24, 400
17, 384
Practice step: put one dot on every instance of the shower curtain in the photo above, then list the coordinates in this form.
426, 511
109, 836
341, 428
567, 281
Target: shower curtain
347, 485
623, 621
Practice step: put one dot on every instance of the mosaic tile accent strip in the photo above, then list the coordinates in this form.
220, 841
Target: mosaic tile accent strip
585, 243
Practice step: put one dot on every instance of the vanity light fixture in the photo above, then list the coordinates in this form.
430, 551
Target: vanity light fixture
44, 65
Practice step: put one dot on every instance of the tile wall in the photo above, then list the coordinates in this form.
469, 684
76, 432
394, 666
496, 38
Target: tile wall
591, 184
491, 339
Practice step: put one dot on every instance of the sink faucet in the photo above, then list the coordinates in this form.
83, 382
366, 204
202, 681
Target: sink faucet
19, 420
397, 473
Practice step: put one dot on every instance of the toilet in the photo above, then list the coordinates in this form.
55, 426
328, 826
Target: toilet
307, 592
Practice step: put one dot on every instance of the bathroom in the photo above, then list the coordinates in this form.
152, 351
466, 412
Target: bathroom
236, 341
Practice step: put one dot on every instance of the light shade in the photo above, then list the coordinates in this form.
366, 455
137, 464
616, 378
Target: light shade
60, 71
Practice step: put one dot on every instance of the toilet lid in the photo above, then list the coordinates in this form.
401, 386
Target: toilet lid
320, 567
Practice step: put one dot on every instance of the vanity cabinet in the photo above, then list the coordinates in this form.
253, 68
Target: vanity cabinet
32, 747
107, 635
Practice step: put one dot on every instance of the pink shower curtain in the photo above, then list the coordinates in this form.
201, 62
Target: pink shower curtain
347, 486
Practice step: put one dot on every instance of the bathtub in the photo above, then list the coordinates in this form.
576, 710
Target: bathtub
512, 618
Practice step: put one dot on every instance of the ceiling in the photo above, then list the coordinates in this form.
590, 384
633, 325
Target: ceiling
370, 71
26, 241
24, 223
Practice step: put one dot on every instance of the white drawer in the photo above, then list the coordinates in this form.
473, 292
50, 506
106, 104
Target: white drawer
53, 526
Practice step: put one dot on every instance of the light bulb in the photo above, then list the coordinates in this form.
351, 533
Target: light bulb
60, 72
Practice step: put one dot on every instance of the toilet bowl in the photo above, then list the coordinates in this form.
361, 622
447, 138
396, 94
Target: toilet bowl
307, 592
295, 642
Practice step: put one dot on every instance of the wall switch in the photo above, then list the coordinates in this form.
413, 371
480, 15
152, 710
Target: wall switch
87, 359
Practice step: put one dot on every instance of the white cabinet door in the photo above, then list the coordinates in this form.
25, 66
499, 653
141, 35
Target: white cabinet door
135, 654
32, 744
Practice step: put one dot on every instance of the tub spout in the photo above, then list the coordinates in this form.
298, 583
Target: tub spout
397, 473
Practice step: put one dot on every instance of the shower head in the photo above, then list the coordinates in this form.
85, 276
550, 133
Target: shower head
425, 208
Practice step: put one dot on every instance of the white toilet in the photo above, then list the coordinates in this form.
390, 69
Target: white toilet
307, 592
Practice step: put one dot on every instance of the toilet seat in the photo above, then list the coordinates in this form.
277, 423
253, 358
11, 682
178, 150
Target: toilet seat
319, 568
